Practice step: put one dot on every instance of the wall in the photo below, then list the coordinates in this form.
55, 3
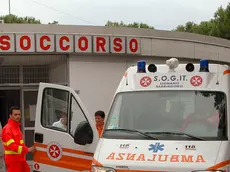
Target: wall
29, 59
59, 72
96, 79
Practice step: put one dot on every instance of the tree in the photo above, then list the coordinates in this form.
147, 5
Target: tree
222, 22
133, 25
54, 22
219, 26
11, 18
188, 27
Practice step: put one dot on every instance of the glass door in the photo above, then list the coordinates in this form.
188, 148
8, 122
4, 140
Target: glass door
29, 100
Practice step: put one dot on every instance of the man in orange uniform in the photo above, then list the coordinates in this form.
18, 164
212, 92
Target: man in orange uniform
12, 138
100, 117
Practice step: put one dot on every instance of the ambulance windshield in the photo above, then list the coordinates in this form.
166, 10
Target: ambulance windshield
198, 113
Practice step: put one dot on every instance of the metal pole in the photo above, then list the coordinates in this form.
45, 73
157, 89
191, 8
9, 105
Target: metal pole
9, 7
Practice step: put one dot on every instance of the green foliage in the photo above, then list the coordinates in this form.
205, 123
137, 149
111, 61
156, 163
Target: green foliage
133, 25
219, 26
11, 18
54, 22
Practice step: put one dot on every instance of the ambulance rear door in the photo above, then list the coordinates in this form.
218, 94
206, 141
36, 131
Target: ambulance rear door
61, 147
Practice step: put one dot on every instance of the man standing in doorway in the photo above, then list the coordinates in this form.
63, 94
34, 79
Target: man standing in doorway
100, 117
12, 138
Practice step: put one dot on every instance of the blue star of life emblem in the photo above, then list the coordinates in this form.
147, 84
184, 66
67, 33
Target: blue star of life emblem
156, 147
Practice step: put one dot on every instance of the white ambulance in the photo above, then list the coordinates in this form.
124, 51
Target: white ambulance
171, 117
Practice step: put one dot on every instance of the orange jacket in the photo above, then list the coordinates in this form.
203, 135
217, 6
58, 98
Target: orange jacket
100, 129
15, 150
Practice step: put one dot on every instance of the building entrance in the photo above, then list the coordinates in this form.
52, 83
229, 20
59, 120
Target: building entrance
20, 76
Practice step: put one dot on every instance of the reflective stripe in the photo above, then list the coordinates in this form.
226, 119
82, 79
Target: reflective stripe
7, 152
10, 142
19, 149
10, 152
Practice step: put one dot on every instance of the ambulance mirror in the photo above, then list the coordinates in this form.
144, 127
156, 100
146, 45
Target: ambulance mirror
83, 134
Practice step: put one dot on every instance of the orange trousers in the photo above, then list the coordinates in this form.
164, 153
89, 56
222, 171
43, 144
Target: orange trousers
20, 166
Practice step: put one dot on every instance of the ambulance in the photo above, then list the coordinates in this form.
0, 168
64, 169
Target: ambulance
169, 117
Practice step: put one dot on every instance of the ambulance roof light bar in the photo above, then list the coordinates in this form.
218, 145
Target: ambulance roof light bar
141, 67
204, 67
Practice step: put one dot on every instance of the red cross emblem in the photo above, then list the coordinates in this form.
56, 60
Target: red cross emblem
196, 81
54, 151
36, 166
145, 81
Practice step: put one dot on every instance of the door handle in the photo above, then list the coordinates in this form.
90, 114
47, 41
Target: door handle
38, 137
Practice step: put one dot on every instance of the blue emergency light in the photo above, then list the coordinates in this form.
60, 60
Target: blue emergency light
141, 67
204, 66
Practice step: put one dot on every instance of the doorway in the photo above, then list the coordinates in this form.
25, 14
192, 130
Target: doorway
29, 101
26, 99
8, 98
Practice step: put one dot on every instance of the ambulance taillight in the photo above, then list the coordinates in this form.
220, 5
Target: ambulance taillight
204, 66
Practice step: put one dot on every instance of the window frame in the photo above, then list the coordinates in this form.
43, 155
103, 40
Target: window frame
42, 110
70, 111
70, 98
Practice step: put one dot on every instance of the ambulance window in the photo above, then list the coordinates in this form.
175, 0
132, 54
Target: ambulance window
54, 109
116, 110
77, 115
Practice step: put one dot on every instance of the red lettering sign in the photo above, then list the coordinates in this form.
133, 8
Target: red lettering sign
44, 43
133, 46
157, 157
25, 43
64, 43
83, 44
117, 44
7, 43
61, 44
4, 42
101, 44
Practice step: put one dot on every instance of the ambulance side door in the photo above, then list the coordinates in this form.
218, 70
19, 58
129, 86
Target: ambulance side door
59, 149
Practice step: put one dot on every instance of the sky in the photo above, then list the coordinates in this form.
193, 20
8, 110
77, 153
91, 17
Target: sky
162, 14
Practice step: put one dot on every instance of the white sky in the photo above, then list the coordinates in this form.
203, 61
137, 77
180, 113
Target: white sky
162, 14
